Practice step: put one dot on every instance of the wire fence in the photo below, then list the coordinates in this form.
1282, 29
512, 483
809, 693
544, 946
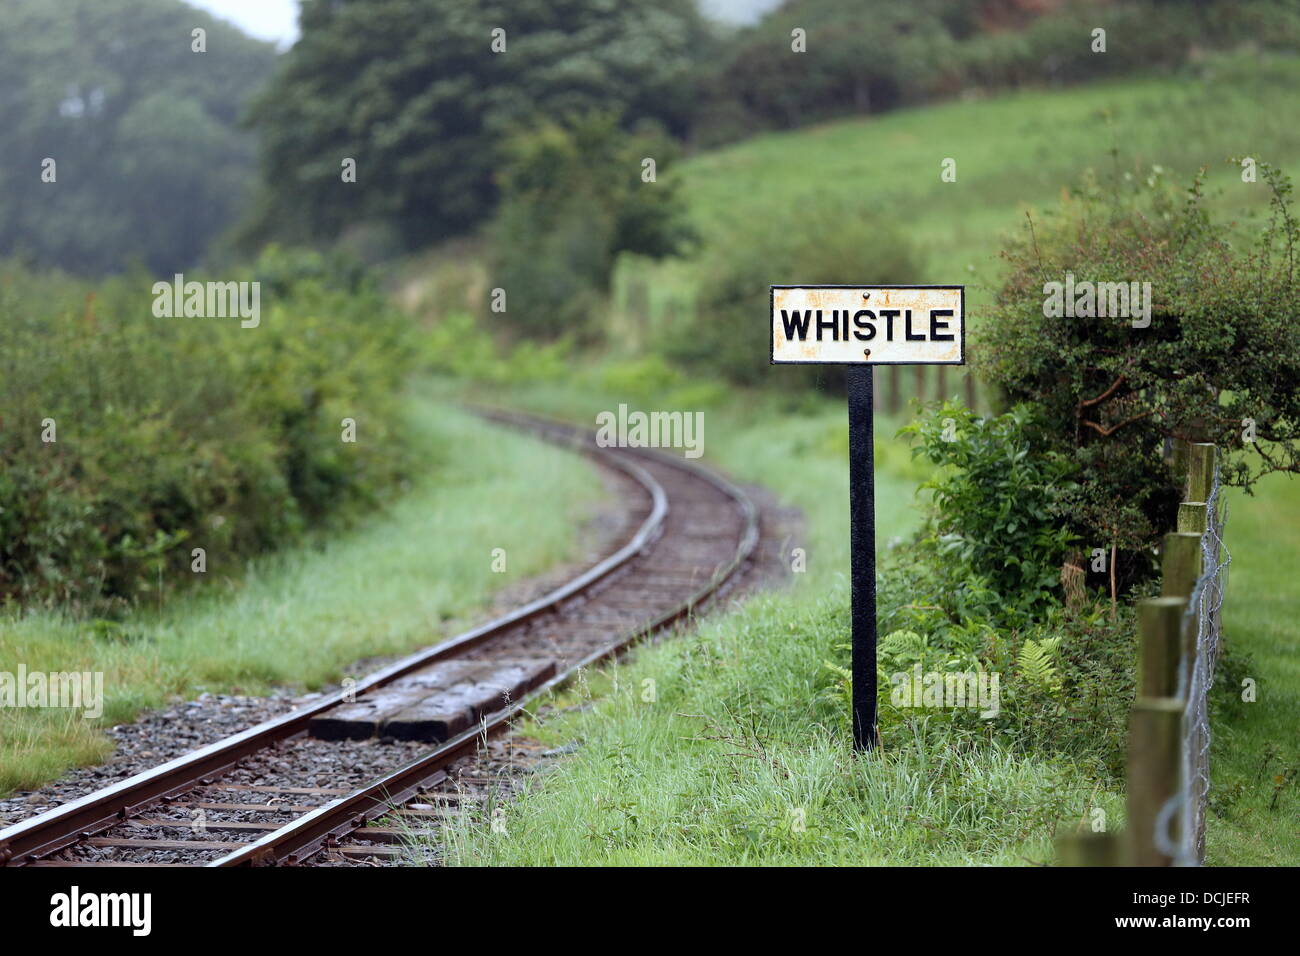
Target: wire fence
1179, 642
1196, 678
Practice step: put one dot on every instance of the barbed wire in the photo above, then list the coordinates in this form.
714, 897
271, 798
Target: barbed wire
1195, 679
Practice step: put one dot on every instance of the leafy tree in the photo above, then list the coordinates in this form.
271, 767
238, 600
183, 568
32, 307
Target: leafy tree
413, 92
573, 199
857, 55
1220, 360
150, 162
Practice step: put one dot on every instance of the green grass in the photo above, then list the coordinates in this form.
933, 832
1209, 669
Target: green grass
737, 739
745, 736
1260, 613
406, 577
1015, 153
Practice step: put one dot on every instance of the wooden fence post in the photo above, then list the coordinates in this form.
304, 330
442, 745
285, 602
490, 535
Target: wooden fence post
1200, 471
1167, 652
1180, 564
1155, 736
1160, 645
1179, 463
941, 382
1192, 517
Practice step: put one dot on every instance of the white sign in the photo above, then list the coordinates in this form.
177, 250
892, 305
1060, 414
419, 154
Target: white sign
871, 324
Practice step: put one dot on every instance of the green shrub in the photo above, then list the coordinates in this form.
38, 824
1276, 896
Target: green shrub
997, 501
1066, 677
458, 345
1221, 352
1065, 680
177, 433
973, 592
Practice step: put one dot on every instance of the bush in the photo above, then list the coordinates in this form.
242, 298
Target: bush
1220, 360
459, 346
974, 591
176, 433
1065, 681
997, 502
573, 199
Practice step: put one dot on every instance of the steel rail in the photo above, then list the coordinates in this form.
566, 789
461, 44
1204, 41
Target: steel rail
55, 829
326, 825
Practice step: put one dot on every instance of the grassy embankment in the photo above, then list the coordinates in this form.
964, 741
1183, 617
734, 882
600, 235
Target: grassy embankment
744, 735
405, 577
736, 744
1015, 153
1258, 741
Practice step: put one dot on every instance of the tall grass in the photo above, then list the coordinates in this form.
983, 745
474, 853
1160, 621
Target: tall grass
746, 733
410, 575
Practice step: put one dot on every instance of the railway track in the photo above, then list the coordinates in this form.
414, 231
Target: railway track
304, 788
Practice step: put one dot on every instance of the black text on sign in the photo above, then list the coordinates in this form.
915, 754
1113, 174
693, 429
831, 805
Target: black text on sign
880, 325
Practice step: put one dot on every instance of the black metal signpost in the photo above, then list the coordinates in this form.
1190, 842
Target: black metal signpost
862, 560
862, 326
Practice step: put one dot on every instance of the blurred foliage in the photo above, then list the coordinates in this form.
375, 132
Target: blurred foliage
460, 346
1222, 347
151, 164
412, 91
573, 199
185, 432
867, 56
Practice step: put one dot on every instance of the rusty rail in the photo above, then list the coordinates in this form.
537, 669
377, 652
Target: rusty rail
45, 834
304, 837
55, 829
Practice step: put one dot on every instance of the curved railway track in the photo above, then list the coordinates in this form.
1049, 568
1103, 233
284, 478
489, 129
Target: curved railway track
279, 794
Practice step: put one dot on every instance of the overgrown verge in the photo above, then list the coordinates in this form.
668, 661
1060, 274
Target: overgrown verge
416, 569
132, 439
729, 746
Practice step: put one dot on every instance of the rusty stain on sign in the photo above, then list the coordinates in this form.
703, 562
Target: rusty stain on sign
875, 325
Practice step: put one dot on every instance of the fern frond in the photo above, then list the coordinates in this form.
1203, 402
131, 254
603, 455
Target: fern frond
904, 646
1034, 663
